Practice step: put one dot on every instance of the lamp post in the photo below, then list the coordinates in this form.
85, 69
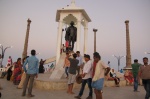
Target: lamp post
95, 30
3, 51
118, 58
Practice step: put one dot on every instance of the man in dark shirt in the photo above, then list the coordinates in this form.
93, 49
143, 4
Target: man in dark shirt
72, 73
135, 70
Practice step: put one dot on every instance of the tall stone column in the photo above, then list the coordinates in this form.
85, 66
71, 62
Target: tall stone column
85, 39
94, 30
24, 54
78, 35
59, 40
128, 53
62, 36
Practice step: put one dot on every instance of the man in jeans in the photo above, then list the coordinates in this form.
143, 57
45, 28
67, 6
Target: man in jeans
31, 73
135, 70
87, 78
145, 75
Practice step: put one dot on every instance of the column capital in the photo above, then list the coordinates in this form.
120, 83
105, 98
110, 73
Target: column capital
95, 30
29, 21
127, 21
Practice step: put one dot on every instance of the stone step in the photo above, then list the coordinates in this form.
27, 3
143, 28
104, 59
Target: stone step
43, 82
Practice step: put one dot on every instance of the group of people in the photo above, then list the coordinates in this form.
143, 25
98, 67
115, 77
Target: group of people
13, 71
23, 72
92, 73
143, 72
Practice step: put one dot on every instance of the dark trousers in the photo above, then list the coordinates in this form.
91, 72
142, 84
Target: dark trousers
146, 84
117, 80
71, 40
29, 77
66, 71
135, 83
78, 70
84, 81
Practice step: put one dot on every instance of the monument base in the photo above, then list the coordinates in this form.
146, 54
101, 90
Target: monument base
127, 68
43, 82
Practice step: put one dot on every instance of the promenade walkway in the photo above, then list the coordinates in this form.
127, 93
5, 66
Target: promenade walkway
10, 91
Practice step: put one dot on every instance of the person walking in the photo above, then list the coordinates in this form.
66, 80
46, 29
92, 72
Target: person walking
86, 78
31, 73
66, 64
135, 70
100, 69
72, 73
144, 73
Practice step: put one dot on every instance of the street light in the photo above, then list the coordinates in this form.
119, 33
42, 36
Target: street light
147, 52
3, 51
118, 58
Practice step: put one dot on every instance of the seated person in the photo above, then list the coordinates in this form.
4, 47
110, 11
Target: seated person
115, 78
9, 73
4, 73
128, 77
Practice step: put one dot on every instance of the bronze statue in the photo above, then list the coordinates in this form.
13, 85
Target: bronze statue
71, 35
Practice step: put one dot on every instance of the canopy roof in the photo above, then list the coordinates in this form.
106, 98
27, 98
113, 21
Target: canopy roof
73, 8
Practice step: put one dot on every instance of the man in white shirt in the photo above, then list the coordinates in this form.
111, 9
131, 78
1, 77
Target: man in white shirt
80, 61
86, 78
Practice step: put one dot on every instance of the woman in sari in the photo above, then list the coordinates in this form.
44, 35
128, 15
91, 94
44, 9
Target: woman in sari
129, 77
23, 77
17, 72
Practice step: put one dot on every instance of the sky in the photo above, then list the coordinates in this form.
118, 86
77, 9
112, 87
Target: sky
108, 16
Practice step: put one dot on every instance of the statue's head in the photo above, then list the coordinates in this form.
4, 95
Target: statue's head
71, 23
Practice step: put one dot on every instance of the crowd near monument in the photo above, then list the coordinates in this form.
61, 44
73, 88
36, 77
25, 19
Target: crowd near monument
74, 17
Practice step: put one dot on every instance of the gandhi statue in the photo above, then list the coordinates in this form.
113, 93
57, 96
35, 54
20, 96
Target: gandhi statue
71, 35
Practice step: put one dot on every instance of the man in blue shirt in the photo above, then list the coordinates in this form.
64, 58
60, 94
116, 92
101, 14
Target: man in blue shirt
31, 73
80, 61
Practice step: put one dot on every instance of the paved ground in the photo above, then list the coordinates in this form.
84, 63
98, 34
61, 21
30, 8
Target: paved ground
9, 91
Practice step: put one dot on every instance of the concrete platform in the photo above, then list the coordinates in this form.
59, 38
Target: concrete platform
10, 91
43, 82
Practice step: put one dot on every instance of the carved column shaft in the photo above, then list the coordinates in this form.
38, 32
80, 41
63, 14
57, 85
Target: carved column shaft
128, 52
24, 54
94, 30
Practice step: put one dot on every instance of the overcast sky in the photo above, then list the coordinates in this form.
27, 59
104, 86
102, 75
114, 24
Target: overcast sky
108, 16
